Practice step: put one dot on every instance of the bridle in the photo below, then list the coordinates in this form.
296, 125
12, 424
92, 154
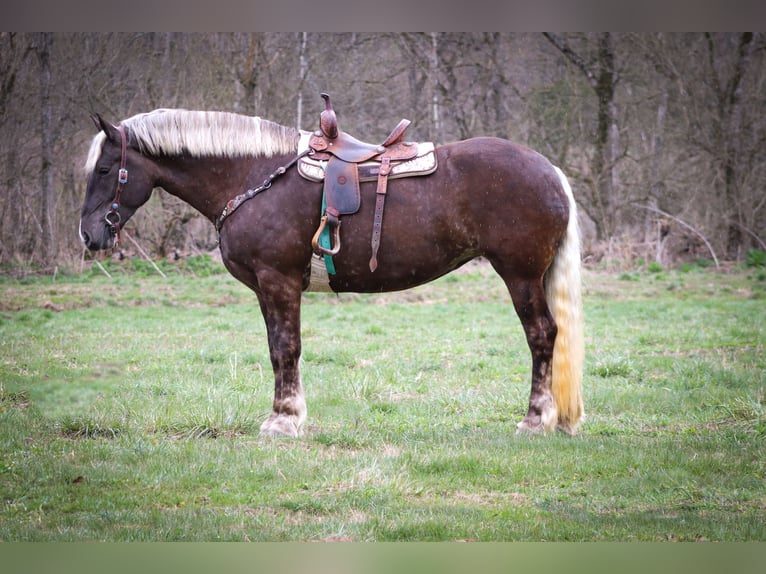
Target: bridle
112, 216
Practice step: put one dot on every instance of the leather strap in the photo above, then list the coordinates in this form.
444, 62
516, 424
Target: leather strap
233, 204
377, 226
112, 216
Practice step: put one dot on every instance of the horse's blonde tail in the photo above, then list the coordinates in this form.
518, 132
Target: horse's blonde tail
563, 294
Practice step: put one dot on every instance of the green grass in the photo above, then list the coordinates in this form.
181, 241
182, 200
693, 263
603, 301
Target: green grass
130, 410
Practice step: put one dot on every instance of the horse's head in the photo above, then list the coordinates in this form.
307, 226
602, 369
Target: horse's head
119, 182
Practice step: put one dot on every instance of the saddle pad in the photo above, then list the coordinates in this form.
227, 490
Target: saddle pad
423, 163
319, 279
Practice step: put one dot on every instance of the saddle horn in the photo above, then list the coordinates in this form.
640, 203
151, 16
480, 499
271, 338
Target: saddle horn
328, 121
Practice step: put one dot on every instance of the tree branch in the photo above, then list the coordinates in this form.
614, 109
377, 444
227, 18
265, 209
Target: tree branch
572, 56
687, 226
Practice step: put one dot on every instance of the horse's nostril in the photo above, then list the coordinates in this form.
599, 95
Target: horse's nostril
85, 238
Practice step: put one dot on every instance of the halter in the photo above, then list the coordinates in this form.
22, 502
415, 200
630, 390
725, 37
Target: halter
112, 216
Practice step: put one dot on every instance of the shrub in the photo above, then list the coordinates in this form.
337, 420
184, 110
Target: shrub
755, 258
203, 265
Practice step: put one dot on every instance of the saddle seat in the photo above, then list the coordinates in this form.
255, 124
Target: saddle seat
336, 158
330, 139
346, 147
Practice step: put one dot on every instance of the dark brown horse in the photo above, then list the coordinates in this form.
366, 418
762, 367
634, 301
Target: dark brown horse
489, 197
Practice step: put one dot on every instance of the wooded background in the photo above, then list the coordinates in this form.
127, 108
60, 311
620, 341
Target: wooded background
662, 135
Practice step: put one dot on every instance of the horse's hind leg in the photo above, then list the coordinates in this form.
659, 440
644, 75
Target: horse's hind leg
540, 328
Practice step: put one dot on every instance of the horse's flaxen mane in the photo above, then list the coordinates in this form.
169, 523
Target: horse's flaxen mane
201, 133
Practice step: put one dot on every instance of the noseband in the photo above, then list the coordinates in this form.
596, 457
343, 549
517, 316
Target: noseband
112, 216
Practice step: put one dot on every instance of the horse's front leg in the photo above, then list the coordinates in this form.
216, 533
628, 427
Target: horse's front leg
280, 304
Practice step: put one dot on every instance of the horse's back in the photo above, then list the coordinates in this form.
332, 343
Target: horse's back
503, 170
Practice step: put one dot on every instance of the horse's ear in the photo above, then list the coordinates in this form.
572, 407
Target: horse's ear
109, 129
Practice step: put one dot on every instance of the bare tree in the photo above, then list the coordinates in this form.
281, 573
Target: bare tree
718, 87
303, 69
601, 74
43, 50
10, 62
727, 77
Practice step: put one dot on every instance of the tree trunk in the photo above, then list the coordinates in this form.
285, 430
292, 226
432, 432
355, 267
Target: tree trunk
730, 111
653, 229
602, 78
434, 74
48, 190
303, 72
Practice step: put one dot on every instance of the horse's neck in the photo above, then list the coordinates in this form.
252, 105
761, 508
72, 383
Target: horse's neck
204, 183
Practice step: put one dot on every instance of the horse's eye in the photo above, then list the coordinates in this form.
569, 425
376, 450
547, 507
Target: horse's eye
103, 170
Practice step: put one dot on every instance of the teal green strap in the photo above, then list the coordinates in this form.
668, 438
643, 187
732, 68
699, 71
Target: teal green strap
324, 241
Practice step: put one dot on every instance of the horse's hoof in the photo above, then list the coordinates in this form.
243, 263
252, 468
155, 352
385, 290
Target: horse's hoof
525, 427
281, 425
566, 428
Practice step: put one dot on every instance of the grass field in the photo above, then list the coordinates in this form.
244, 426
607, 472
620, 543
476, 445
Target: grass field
130, 409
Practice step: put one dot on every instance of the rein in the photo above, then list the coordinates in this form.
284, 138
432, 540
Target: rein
112, 216
233, 204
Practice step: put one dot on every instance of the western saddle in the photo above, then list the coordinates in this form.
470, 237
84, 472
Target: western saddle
342, 161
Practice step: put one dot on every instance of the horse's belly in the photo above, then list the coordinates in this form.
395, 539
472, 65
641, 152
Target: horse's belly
394, 273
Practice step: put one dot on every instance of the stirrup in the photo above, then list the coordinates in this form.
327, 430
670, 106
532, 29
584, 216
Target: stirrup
335, 240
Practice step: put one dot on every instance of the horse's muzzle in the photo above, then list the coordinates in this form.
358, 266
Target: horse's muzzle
93, 243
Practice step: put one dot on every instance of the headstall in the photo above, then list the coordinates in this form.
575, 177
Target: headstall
112, 216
